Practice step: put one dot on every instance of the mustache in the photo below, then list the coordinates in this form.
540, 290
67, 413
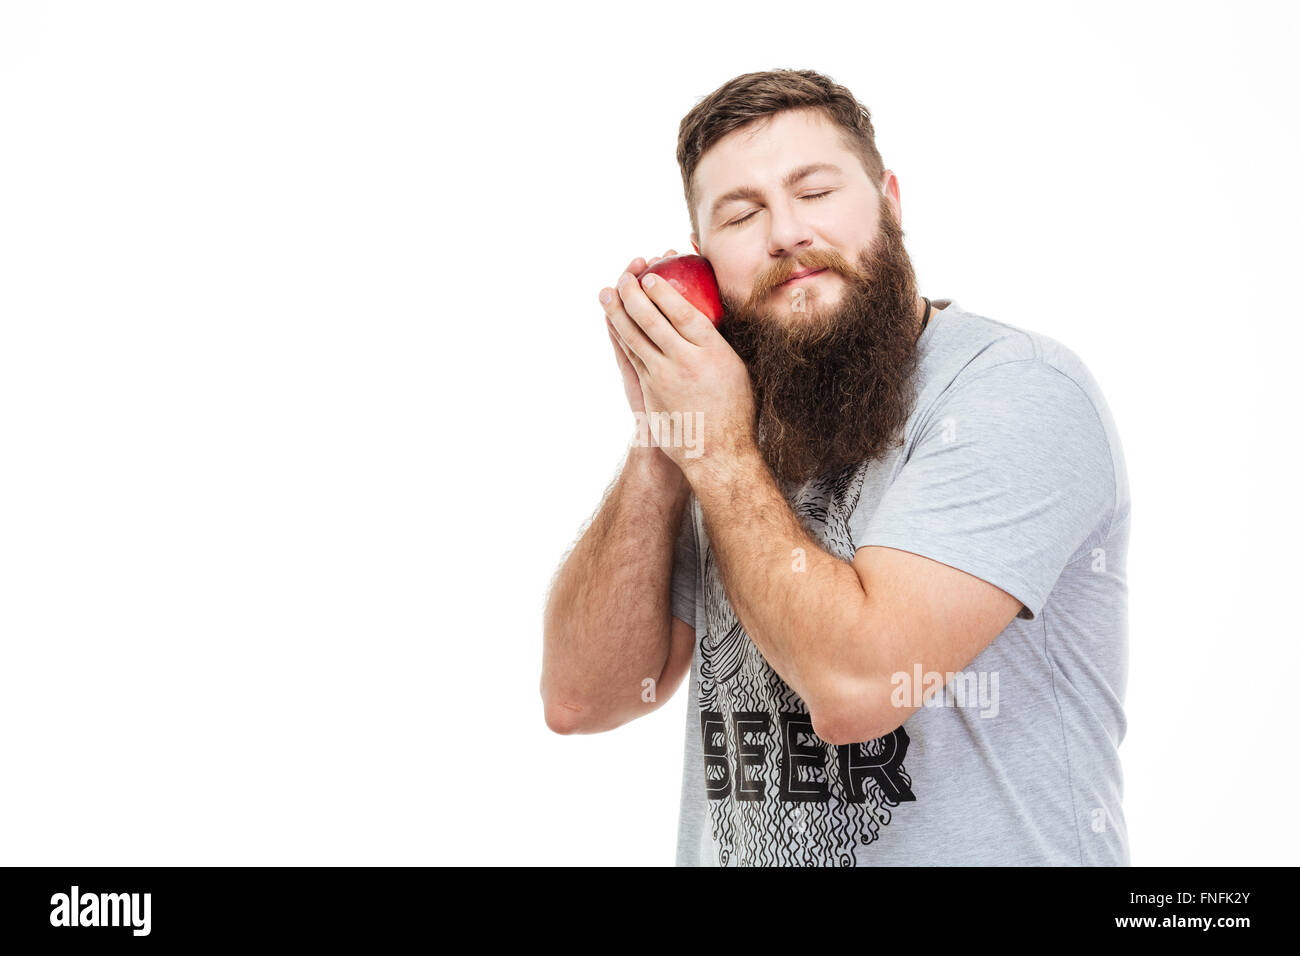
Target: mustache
783, 271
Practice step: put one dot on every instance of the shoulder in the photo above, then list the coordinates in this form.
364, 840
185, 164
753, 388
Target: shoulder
977, 355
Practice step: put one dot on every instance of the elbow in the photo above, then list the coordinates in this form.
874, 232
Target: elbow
855, 713
566, 718
563, 717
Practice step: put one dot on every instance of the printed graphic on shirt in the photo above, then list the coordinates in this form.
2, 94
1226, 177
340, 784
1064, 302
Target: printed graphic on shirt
778, 794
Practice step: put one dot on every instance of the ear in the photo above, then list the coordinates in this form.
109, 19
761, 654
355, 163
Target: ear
889, 190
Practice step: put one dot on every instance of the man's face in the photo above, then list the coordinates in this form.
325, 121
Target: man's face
831, 357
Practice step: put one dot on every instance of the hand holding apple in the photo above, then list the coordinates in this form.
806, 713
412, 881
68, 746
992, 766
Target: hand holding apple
686, 369
690, 275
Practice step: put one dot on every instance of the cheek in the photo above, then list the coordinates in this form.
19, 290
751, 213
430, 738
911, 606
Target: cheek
851, 234
736, 272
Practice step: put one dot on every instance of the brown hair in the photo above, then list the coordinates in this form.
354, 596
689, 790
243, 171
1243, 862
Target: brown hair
754, 96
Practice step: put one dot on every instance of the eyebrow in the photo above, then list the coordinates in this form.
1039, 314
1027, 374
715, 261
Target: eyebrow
752, 192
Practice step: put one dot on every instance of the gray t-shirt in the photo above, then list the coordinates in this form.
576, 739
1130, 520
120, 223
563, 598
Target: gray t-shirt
1011, 470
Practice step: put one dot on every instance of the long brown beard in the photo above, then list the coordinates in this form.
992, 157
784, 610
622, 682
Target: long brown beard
832, 387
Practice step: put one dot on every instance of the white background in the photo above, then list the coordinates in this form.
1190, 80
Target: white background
305, 391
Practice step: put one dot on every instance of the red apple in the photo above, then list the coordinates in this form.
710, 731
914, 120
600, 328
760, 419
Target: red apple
693, 277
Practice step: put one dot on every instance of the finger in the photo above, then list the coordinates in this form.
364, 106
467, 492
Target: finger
630, 331
643, 311
625, 331
689, 322
620, 353
620, 349
628, 358
669, 321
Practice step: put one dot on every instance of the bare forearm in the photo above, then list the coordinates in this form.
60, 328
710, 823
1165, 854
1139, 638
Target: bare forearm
794, 599
607, 620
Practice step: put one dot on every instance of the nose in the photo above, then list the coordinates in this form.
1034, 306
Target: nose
789, 234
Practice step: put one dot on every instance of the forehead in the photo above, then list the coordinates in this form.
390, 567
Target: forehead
760, 153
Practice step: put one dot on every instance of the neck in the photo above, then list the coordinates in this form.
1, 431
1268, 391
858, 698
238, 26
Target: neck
918, 316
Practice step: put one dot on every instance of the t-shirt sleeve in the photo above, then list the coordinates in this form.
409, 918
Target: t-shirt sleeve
684, 568
1011, 475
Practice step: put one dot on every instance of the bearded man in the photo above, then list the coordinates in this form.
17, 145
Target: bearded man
893, 563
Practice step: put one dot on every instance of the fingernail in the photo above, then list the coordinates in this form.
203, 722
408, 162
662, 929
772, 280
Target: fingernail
605, 296
648, 281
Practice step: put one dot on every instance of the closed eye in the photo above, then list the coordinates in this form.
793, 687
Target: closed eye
737, 222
